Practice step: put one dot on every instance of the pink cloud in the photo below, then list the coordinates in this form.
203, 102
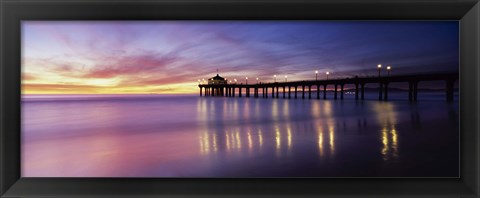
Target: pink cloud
129, 65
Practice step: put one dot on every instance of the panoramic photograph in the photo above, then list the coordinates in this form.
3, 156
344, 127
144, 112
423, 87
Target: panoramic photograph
240, 99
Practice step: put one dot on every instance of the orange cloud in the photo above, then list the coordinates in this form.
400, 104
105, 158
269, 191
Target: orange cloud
26, 77
92, 89
59, 89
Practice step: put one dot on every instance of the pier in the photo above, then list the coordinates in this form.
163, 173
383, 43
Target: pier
291, 89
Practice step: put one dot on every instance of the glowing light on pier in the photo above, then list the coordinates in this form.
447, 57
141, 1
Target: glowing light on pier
379, 66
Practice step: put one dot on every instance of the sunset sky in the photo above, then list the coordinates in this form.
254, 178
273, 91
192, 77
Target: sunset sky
170, 56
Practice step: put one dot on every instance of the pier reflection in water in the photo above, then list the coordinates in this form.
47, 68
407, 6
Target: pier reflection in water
225, 137
303, 142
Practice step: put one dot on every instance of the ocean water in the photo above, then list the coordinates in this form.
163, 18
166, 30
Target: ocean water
193, 136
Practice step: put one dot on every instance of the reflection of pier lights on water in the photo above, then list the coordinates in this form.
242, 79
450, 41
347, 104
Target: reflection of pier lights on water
320, 141
331, 136
278, 140
247, 140
203, 138
387, 118
227, 141
257, 109
316, 109
275, 110
238, 140
233, 140
321, 138
289, 137
250, 142
390, 142
215, 148
286, 109
216, 138
204, 143
260, 137
230, 90
329, 126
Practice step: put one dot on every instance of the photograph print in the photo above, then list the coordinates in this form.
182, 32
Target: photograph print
240, 99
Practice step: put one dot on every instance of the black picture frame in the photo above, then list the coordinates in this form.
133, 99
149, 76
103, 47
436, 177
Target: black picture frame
12, 12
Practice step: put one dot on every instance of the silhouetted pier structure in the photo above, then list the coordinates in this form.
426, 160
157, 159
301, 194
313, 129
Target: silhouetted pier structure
290, 89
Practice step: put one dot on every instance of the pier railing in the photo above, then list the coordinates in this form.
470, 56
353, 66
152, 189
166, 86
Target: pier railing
291, 88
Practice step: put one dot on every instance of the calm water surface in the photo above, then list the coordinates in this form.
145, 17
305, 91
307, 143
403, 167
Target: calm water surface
191, 136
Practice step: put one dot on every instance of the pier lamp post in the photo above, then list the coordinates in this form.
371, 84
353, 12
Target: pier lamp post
246, 80
274, 78
328, 73
230, 81
257, 80
316, 75
285, 78
379, 66
199, 82
235, 81
388, 70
